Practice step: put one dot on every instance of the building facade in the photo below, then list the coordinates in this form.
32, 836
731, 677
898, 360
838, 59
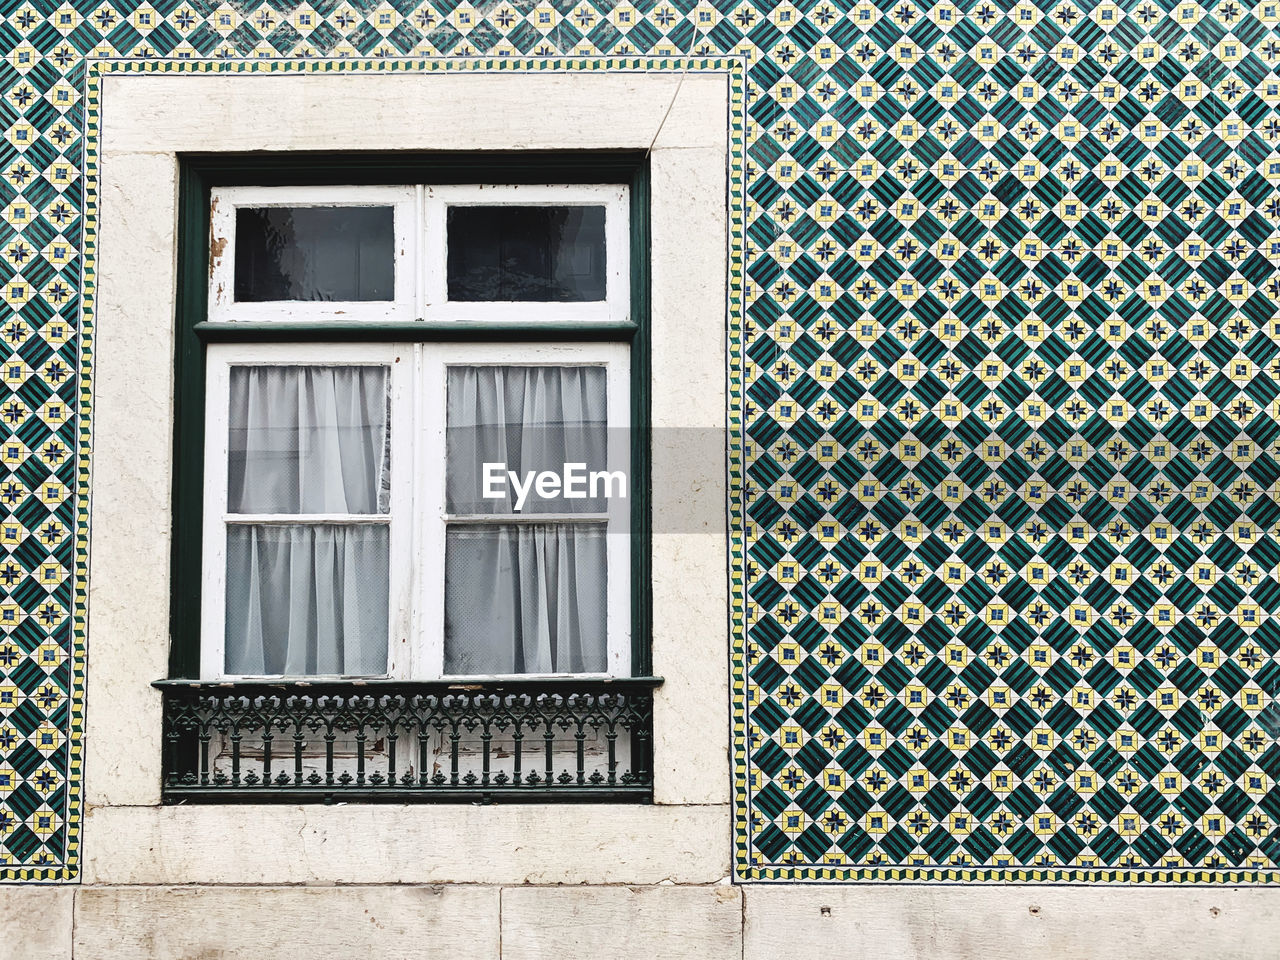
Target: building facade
939, 345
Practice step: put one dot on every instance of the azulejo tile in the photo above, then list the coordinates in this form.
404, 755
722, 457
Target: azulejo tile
1004, 420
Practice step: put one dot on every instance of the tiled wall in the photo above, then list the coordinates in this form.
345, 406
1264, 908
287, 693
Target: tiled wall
1006, 439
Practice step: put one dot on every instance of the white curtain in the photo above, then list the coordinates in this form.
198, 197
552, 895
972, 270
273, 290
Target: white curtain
308, 440
529, 419
308, 598
524, 597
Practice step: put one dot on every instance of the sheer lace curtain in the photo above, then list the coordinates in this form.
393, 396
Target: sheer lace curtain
524, 596
308, 538
308, 597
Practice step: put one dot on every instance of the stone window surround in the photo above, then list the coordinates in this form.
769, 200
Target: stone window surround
147, 121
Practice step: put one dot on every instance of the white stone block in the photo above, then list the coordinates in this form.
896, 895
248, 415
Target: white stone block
149, 923
621, 923
35, 922
379, 111
132, 475
908, 922
385, 843
699, 113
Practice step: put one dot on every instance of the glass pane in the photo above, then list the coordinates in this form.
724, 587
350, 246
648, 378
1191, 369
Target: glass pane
315, 253
525, 598
305, 600
526, 253
508, 424
309, 440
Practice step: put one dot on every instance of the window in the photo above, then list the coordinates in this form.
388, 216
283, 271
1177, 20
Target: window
417, 509
414, 410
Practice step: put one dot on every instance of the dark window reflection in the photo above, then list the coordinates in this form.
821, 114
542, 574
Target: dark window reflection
539, 253
315, 253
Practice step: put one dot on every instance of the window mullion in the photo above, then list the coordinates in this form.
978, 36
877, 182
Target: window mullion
401, 627
214, 535
429, 506
420, 251
433, 252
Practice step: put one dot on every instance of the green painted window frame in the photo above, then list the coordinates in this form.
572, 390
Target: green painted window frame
200, 174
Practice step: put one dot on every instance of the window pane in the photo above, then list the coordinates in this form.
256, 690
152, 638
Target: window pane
309, 440
525, 420
315, 253
526, 253
304, 600
525, 598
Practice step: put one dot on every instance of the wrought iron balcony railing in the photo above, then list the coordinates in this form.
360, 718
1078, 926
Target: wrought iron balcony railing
405, 742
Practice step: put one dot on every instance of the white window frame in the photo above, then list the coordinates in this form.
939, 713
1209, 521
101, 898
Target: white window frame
417, 518
615, 357
223, 307
421, 253
220, 358
617, 229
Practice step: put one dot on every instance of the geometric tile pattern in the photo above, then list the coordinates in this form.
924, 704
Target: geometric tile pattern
1005, 451
1013, 424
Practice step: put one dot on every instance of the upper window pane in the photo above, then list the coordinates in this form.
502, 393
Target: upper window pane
526, 253
333, 253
